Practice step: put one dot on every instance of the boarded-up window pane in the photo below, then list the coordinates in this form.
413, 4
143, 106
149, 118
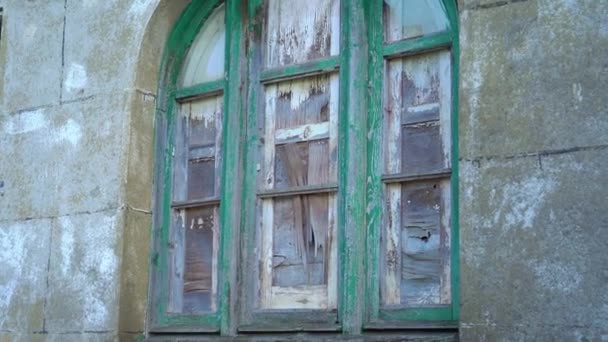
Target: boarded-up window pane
205, 59
424, 243
197, 159
300, 31
405, 19
300, 240
415, 263
193, 271
421, 149
201, 173
297, 234
304, 163
416, 266
418, 117
194, 232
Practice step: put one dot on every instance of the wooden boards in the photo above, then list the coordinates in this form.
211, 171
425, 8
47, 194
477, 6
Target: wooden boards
415, 268
298, 233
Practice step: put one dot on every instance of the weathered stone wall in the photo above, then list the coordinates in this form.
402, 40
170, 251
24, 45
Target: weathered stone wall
76, 123
534, 155
76, 143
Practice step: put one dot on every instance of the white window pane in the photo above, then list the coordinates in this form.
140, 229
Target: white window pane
205, 59
405, 19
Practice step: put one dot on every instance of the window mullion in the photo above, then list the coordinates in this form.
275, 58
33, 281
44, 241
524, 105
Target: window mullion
231, 184
352, 178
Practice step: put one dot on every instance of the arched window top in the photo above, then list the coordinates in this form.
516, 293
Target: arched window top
205, 59
413, 18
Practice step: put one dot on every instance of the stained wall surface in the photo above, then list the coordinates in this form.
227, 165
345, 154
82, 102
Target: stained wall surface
534, 153
77, 106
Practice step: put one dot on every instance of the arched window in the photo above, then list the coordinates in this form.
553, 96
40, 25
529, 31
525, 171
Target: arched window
306, 177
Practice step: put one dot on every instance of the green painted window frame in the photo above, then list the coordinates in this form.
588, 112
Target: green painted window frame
362, 52
445, 316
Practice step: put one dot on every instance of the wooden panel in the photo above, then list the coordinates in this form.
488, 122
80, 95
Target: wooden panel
180, 156
405, 19
298, 246
193, 260
176, 262
300, 297
424, 243
301, 101
300, 31
199, 259
205, 59
418, 96
299, 240
202, 121
302, 164
201, 178
391, 249
204, 138
422, 149
291, 165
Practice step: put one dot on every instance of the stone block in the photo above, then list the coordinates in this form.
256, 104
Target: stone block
531, 79
102, 44
63, 159
140, 165
134, 271
84, 275
32, 71
533, 236
24, 259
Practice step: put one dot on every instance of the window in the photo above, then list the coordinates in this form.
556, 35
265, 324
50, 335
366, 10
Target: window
305, 174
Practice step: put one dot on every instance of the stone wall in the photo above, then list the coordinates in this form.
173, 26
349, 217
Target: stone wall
76, 142
76, 145
534, 155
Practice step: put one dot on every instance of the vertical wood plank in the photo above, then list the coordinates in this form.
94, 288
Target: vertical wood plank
391, 258
318, 169
392, 255
268, 205
332, 248
332, 221
445, 105
219, 117
180, 154
266, 254
176, 262
215, 255
445, 292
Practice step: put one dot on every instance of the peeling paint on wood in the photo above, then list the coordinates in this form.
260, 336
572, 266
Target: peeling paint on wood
300, 31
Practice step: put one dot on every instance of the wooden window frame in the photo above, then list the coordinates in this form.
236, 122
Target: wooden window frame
360, 195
